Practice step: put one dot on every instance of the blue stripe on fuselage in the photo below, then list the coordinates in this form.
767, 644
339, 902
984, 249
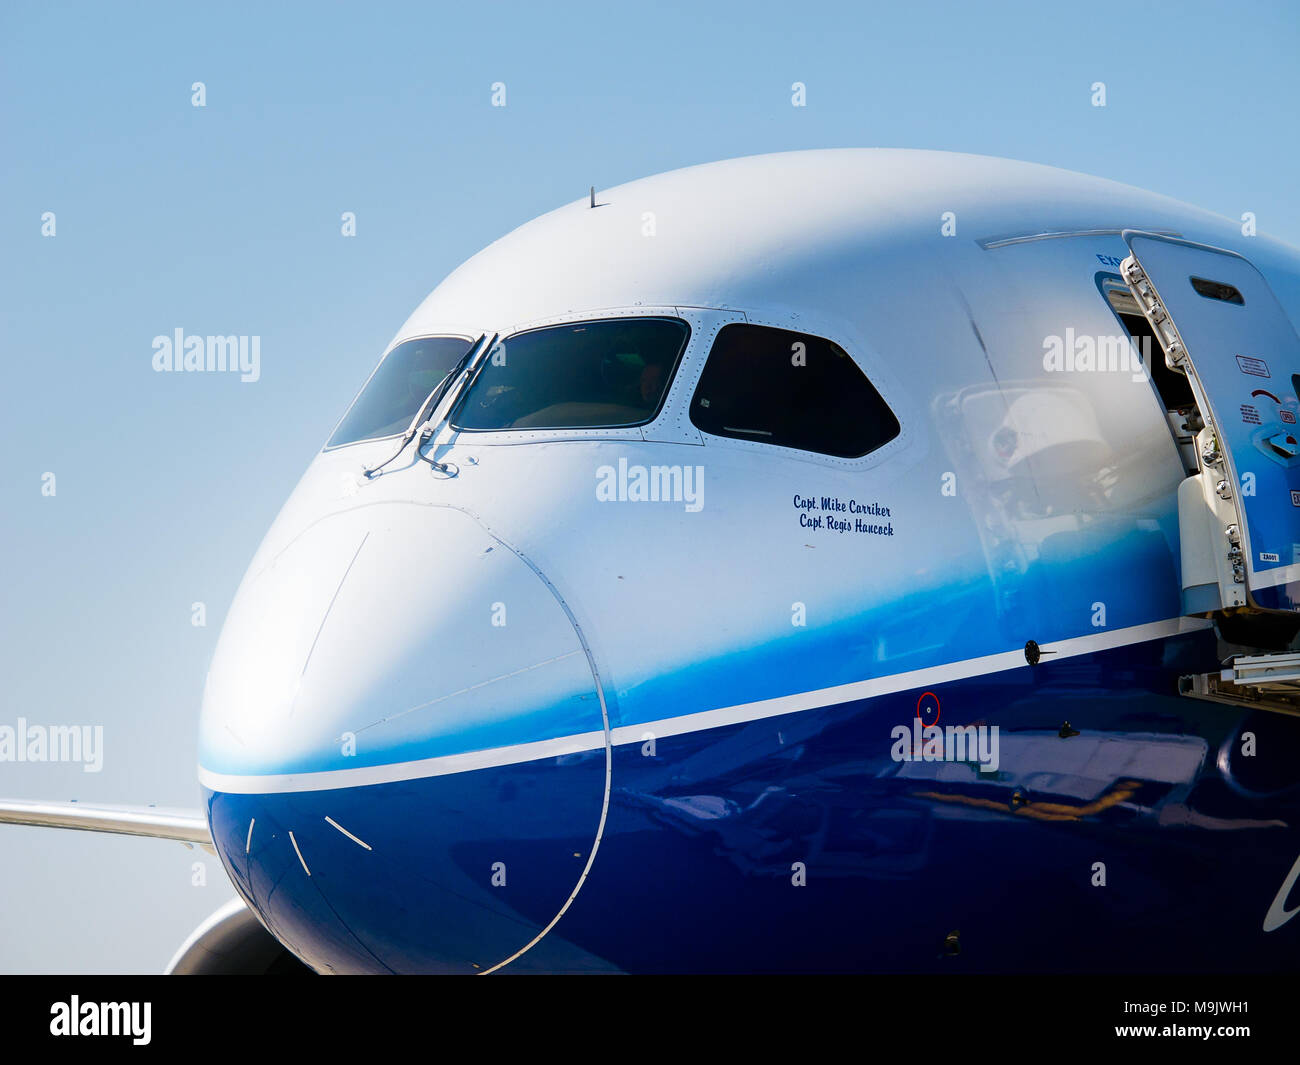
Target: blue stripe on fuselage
707, 831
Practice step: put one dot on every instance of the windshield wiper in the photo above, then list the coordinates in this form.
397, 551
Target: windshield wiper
471, 376
428, 406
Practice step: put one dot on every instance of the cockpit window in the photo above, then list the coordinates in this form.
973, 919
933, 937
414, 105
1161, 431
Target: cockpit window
602, 374
395, 391
775, 386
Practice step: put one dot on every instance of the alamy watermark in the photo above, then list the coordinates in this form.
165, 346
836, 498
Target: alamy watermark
651, 484
131, 1019
25, 742
179, 353
1097, 354
951, 743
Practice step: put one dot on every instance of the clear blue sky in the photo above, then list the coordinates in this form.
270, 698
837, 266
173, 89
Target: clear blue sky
225, 220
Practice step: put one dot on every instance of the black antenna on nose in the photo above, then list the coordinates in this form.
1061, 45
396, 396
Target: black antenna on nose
593, 195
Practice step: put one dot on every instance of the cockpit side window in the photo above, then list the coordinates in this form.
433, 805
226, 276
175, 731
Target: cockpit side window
609, 373
396, 390
775, 386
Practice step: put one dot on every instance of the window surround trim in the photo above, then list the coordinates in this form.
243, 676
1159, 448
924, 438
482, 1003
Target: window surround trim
872, 368
690, 316
672, 424
630, 429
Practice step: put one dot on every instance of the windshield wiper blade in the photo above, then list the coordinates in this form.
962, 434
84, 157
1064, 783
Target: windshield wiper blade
429, 405
471, 375
472, 371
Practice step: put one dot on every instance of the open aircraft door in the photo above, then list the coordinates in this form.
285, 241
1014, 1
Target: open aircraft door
1221, 325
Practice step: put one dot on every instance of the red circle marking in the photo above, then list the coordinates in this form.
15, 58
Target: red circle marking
936, 709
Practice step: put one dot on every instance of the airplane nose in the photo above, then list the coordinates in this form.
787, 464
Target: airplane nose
404, 746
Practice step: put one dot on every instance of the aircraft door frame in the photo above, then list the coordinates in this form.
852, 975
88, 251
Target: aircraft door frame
1222, 326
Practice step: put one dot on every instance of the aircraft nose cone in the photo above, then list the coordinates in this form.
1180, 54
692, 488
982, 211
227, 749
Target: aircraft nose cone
392, 632
404, 745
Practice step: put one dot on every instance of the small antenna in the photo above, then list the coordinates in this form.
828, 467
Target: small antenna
593, 195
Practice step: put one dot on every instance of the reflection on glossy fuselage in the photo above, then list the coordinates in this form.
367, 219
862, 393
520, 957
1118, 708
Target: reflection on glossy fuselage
700, 854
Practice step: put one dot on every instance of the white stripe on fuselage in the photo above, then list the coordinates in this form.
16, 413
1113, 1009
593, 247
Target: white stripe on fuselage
444, 765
